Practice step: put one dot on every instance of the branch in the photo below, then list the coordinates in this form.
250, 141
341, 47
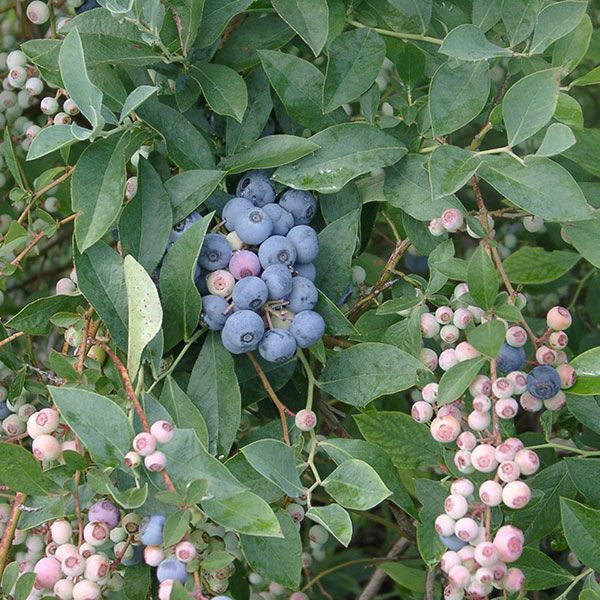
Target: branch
9, 531
372, 588
430, 585
12, 337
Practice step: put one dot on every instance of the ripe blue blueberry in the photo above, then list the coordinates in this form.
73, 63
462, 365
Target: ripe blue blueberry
200, 279
242, 331
180, 228
105, 511
151, 529
269, 128
87, 5
543, 382
214, 311
510, 358
283, 221
137, 557
253, 226
452, 542
416, 263
215, 253
171, 568
250, 293
306, 270
304, 295
277, 345
307, 328
277, 250
301, 204
232, 210
278, 279
5, 411
306, 243
256, 187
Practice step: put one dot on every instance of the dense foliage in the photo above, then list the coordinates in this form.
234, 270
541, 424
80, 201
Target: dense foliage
299, 299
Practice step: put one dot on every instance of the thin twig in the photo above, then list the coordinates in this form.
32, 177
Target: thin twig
9, 531
44, 190
374, 585
12, 337
430, 584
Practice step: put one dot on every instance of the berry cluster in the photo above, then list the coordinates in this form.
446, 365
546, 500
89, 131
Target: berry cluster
144, 445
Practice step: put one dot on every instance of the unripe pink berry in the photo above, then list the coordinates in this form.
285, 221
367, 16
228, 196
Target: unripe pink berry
443, 315
86, 590
96, 568
506, 408
449, 334
462, 317
558, 318
486, 554
456, 506
479, 420
515, 443
429, 325
460, 290
459, 576
452, 219
518, 380
558, 340
482, 403
47, 571
436, 227
450, 410
530, 403
467, 555
478, 590
465, 351
65, 550
164, 589
45, 447
62, 118
514, 580
69, 445
144, 443
516, 336
43, 421
466, 529
482, 384
448, 359
490, 493
505, 452
462, 461
70, 107
445, 429
421, 411
477, 313
444, 525
131, 186
483, 458
305, 420
429, 358
556, 402
528, 461
430, 392
449, 559
567, 375
499, 571
244, 264
220, 283
463, 487
516, 494
61, 531
466, 441
502, 387
298, 596
153, 555
133, 459
509, 542
65, 286
63, 589
38, 12
508, 471
95, 533
185, 551
163, 431
156, 461
545, 355
453, 593
484, 576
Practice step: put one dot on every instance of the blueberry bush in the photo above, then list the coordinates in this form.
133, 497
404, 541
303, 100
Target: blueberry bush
299, 299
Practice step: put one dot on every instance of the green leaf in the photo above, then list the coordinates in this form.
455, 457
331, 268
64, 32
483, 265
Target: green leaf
585, 472
276, 462
337, 242
408, 443
183, 411
539, 187
217, 560
482, 278
215, 17
400, 15
541, 572
308, 18
35, 317
137, 579
354, 61
335, 519
457, 379
486, 13
529, 104
457, 95
407, 577
129, 499
188, 18
468, 42
570, 50
557, 139
189, 189
568, 111
136, 98
487, 338
101, 279
10, 575
176, 527
555, 21
276, 559
581, 527
335, 321
98, 422
533, 265
346, 151
24, 586
360, 374
267, 152
450, 168
355, 485
431, 494
146, 221
12, 162
180, 296
21, 472
73, 72
299, 85
519, 17
583, 235
225, 91
144, 309
214, 390
50, 139
587, 366
590, 78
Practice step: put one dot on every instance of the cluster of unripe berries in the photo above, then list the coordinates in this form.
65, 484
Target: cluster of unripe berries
257, 280
145, 444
